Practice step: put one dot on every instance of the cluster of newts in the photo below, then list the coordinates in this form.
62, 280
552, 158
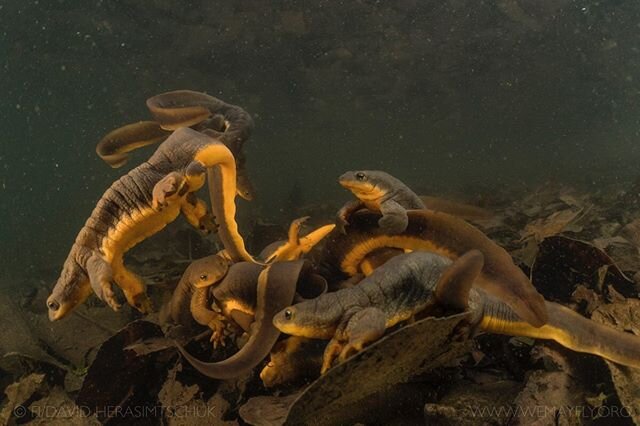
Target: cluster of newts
387, 258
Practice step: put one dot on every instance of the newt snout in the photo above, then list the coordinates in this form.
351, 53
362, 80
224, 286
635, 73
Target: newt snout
71, 289
380, 192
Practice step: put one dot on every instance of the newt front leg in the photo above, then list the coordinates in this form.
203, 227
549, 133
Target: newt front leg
198, 215
203, 314
337, 344
342, 218
138, 205
364, 327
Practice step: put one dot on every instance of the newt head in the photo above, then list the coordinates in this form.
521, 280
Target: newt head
364, 184
207, 271
71, 289
313, 319
245, 187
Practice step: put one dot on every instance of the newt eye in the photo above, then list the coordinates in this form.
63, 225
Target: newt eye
288, 314
53, 305
204, 277
361, 176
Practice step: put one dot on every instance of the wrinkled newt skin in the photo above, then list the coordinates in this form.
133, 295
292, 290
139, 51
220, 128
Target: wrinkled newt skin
421, 283
378, 258
228, 123
380, 192
355, 316
443, 234
189, 299
252, 306
138, 205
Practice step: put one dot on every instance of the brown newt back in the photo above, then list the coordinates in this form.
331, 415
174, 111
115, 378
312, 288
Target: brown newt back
443, 234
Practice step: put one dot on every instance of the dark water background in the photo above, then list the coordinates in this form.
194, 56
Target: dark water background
444, 94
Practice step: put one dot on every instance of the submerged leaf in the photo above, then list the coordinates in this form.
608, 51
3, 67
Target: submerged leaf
552, 225
267, 410
624, 316
119, 379
631, 232
564, 263
411, 350
57, 409
18, 394
472, 401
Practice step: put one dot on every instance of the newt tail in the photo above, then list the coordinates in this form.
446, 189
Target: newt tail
275, 290
569, 329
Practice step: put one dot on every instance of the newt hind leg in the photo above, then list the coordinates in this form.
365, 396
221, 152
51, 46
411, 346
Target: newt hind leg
132, 287
360, 328
364, 327
333, 349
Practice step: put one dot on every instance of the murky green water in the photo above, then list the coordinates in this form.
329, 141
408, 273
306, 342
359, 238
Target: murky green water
527, 108
443, 94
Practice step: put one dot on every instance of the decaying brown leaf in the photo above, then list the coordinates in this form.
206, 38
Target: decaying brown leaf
604, 242
413, 349
563, 263
631, 232
175, 394
624, 316
18, 394
119, 379
267, 410
550, 396
555, 223
57, 409
184, 407
470, 403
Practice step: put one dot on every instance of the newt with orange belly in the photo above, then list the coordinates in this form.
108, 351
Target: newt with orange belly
401, 226
249, 295
138, 205
424, 283
228, 123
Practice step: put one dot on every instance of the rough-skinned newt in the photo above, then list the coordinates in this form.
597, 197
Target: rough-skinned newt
115, 146
420, 283
138, 205
295, 246
443, 234
228, 123
378, 191
378, 258
189, 299
251, 294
